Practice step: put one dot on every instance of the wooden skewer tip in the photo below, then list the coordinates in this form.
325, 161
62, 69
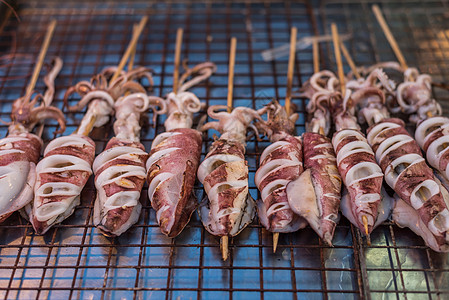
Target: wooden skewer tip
321, 131
365, 224
224, 247
275, 241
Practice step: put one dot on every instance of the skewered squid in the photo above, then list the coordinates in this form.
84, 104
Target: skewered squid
175, 156
66, 166
361, 174
315, 195
317, 89
421, 202
408, 174
20, 149
228, 207
120, 169
319, 206
413, 96
280, 164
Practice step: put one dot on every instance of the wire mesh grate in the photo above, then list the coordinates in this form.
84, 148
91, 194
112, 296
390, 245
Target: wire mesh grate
74, 260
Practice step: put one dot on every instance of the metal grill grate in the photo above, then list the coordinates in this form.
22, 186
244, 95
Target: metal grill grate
74, 260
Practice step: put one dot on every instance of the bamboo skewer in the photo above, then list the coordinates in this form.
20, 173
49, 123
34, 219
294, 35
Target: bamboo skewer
37, 69
132, 57
349, 60
133, 52
291, 66
129, 54
231, 72
316, 69
224, 240
337, 45
316, 57
131, 45
288, 96
341, 74
179, 34
380, 18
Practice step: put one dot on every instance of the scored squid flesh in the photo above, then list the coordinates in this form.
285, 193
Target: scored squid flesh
19, 153
432, 136
61, 175
20, 149
280, 164
120, 169
407, 173
66, 166
357, 165
175, 156
228, 207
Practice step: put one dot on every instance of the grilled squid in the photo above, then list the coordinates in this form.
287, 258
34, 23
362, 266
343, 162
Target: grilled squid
66, 166
280, 164
175, 156
315, 195
361, 176
407, 173
20, 149
357, 165
19, 153
228, 207
61, 175
120, 169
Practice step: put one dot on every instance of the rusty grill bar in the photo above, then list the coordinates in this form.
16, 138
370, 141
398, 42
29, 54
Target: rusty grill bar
74, 260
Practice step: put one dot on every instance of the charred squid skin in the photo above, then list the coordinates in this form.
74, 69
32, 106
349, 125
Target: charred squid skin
228, 207
19, 153
411, 178
61, 176
280, 163
320, 159
119, 177
361, 176
172, 166
432, 136
224, 174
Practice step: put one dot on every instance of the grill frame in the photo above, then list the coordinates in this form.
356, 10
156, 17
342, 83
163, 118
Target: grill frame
74, 260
